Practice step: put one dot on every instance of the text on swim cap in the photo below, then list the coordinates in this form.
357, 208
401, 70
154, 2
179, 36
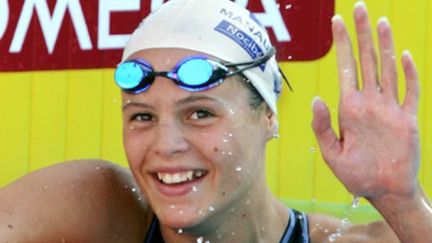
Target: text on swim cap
241, 38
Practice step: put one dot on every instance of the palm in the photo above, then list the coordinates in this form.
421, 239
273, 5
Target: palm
377, 151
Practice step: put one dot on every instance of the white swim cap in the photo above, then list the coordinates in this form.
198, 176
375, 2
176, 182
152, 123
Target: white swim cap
219, 28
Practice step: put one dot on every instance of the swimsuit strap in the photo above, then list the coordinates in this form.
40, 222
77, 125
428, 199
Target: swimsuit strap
154, 235
297, 230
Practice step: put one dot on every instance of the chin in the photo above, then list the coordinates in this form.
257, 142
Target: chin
181, 217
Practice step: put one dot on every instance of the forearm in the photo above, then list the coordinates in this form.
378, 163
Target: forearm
410, 218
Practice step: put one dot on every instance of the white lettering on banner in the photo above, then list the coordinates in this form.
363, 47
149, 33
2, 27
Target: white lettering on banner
51, 24
105, 40
271, 18
4, 17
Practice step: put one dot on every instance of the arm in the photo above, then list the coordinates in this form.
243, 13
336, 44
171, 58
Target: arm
376, 154
325, 228
80, 201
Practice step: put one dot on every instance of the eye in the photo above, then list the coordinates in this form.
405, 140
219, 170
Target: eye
201, 114
142, 117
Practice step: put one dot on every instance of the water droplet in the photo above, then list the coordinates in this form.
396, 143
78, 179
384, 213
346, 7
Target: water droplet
131, 128
336, 235
332, 237
172, 206
194, 188
290, 57
133, 189
207, 241
345, 221
139, 198
230, 153
356, 202
180, 212
231, 110
128, 101
200, 239
312, 150
211, 208
230, 134
288, 6
238, 168
180, 231
225, 140
347, 70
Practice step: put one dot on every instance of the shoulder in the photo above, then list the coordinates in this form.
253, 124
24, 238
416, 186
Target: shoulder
86, 199
324, 228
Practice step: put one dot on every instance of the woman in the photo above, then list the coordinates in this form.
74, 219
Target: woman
200, 84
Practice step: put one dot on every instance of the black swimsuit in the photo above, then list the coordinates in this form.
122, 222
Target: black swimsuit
297, 230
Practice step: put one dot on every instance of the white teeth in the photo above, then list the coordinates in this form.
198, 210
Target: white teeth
199, 173
189, 175
174, 178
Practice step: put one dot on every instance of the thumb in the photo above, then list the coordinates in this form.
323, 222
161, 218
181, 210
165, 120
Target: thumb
321, 125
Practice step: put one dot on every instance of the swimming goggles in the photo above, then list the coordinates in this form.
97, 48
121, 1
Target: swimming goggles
194, 73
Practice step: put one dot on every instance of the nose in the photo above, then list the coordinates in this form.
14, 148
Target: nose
170, 140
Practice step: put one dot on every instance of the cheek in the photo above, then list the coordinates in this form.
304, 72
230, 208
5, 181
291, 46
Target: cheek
227, 156
135, 148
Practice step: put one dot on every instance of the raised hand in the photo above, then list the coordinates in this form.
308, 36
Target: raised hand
377, 151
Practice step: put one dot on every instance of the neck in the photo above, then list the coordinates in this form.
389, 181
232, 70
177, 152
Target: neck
257, 217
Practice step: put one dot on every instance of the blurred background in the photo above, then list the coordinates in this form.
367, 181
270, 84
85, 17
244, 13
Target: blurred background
50, 113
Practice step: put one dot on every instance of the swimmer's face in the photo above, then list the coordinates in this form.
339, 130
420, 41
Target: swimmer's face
196, 155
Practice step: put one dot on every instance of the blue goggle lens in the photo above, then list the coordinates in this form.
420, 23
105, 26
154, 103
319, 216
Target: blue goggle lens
128, 75
195, 72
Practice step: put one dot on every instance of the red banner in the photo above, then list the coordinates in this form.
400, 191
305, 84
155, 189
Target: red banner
74, 34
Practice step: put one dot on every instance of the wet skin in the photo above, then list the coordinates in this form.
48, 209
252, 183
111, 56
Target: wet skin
168, 130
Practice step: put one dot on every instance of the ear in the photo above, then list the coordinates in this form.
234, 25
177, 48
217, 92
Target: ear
272, 123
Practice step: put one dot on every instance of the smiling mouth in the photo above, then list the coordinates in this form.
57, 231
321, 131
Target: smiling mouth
181, 177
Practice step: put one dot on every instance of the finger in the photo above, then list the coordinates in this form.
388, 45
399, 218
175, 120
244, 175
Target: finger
388, 63
326, 136
412, 83
346, 63
368, 58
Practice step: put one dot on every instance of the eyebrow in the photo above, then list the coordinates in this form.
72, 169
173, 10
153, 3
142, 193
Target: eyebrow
137, 104
184, 101
194, 98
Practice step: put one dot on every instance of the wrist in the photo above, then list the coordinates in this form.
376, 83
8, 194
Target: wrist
410, 216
